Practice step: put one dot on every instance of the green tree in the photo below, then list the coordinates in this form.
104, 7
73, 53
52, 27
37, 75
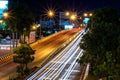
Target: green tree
23, 55
101, 44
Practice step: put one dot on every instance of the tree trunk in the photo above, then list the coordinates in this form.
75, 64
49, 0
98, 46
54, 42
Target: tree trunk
26, 66
16, 39
13, 39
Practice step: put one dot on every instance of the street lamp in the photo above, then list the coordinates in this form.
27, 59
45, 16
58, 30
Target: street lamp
50, 13
67, 13
88, 20
34, 27
5, 14
87, 14
73, 17
90, 14
1, 21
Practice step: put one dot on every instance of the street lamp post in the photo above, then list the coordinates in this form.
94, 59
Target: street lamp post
73, 18
5, 15
88, 15
51, 15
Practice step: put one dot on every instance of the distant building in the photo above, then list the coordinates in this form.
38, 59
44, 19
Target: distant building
47, 23
63, 19
65, 22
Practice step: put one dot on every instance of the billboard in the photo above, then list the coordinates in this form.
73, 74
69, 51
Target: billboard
68, 27
86, 20
3, 6
32, 36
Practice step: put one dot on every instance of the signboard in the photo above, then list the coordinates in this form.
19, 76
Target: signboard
86, 20
32, 36
68, 26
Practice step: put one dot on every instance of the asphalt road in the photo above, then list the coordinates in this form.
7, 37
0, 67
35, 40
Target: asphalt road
44, 48
62, 66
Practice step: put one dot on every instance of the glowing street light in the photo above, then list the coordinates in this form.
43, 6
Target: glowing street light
67, 13
5, 14
90, 14
50, 13
85, 14
1, 21
73, 17
34, 27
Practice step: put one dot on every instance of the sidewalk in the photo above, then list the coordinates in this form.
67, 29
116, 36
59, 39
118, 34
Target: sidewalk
4, 52
84, 72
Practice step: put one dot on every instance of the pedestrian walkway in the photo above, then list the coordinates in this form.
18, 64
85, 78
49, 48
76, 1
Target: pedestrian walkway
4, 52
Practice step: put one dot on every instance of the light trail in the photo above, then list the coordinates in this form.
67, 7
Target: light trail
71, 67
53, 69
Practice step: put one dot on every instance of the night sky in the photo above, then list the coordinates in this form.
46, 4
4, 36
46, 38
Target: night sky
39, 6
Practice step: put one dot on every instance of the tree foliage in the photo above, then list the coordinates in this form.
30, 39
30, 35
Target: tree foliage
19, 19
101, 44
23, 56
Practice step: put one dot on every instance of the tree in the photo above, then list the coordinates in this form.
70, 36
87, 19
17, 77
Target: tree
101, 44
23, 56
19, 19
1, 36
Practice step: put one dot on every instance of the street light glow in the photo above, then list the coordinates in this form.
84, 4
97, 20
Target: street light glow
85, 14
5, 14
67, 13
1, 21
50, 13
90, 14
73, 17
34, 27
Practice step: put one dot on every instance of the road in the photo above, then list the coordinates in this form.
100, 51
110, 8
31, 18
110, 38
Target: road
44, 48
62, 66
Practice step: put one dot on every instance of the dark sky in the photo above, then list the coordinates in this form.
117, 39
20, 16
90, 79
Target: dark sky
39, 6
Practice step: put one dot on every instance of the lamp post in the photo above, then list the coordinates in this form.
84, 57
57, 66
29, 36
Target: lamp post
73, 18
1, 21
5, 15
51, 14
67, 13
88, 15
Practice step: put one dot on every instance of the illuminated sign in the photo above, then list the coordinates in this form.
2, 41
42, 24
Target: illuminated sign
86, 20
32, 36
68, 26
